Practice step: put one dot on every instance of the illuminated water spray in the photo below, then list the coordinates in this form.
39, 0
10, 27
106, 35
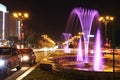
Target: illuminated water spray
98, 63
66, 47
85, 19
79, 52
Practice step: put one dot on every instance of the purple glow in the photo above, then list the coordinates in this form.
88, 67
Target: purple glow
85, 18
66, 48
79, 52
98, 63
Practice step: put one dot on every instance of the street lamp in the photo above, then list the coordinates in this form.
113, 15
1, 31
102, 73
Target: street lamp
20, 17
106, 20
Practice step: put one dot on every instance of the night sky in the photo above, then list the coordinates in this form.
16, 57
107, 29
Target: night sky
50, 16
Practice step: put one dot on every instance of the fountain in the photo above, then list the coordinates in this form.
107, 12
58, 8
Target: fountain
85, 19
87, 66
66, 47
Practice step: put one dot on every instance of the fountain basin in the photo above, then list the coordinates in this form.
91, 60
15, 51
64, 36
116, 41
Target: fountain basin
67, 66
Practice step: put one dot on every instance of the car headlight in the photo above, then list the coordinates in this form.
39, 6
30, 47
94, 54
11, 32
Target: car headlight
2, 62
25, 58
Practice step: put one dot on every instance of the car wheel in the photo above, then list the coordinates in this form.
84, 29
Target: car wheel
32, 63
18, 67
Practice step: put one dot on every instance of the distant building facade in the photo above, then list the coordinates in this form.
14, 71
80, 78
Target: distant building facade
11, 29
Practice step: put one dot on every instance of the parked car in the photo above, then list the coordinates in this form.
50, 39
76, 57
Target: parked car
9, 59
27, 56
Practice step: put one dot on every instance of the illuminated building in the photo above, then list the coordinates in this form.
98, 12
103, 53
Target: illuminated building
8, 25
3, 11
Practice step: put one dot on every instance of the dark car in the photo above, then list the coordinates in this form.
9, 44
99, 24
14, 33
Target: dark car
9, 59
27, 56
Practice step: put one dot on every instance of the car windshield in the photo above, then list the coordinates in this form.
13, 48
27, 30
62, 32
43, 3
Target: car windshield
5, 51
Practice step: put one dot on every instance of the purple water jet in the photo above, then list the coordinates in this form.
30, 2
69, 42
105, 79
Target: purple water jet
79, 52
98, 58
67, 36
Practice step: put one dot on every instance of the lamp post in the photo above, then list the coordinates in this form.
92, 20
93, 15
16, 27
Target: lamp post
106, 20
20, 17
